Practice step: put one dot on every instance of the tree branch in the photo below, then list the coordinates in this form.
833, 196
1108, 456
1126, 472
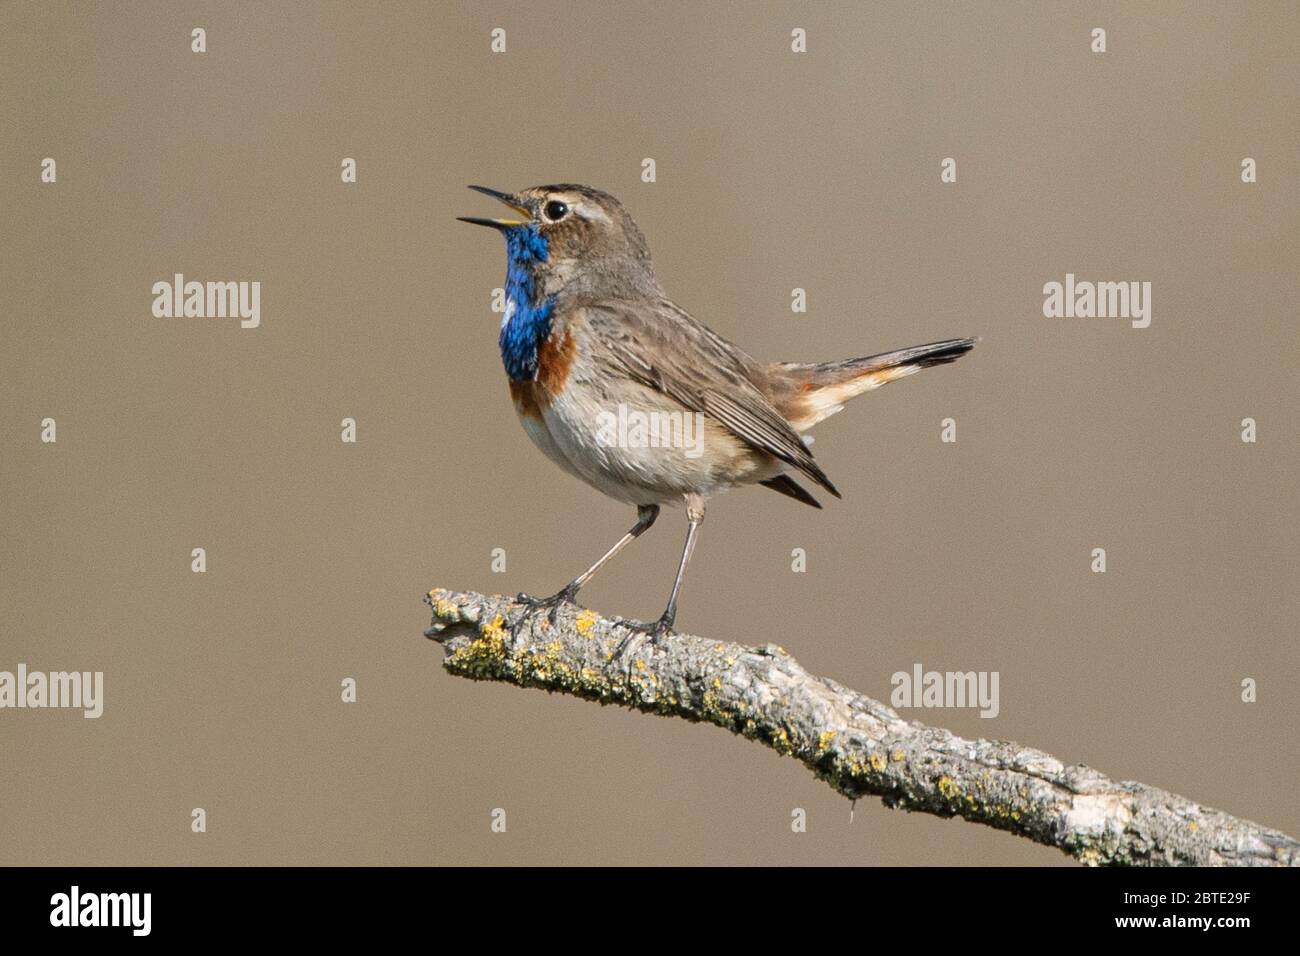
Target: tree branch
857, 745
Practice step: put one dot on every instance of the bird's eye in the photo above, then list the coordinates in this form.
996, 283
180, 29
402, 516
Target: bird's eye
556, 210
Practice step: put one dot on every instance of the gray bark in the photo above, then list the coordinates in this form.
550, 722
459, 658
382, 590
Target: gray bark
857, 745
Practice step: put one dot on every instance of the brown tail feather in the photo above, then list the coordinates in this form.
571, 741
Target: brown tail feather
817, 391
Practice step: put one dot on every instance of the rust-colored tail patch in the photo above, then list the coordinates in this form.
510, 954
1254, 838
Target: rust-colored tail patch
809, 393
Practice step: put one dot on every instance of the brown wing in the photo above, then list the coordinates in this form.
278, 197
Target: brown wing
663, 347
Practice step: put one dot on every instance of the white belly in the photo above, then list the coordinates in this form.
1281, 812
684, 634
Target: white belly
643, 448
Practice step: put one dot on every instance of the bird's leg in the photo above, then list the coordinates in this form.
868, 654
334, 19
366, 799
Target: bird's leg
645, 517
657, 629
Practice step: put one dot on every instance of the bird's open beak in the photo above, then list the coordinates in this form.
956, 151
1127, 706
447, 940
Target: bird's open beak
514, 202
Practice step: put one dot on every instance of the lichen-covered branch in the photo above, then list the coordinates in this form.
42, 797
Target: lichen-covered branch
857, 745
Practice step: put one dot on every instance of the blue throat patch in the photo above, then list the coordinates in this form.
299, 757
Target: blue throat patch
527, 323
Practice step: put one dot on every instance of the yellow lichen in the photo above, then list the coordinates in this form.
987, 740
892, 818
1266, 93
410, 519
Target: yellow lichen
948, 787
711, 709
824, 739
585, 622
898, 756
486, 653
495, 629
878, 762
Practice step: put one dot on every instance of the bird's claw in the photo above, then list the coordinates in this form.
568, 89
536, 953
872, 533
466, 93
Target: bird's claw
656, 631
565, 595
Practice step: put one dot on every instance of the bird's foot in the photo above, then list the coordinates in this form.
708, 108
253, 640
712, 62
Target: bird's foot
656, 631
565, 595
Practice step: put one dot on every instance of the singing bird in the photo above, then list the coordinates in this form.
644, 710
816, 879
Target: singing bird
588, 333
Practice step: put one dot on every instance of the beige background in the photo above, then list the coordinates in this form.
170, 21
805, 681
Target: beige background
775, 171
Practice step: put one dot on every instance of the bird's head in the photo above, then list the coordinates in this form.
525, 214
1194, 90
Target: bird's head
572, 239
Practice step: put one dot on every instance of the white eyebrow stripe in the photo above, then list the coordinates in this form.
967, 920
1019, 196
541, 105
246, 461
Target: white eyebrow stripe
589, 211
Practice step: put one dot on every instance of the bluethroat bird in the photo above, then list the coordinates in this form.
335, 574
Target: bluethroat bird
589, 338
